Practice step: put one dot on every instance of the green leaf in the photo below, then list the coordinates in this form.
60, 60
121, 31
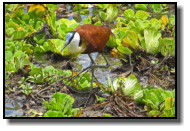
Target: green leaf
9, 31
87, 21
172, 19
142, 41
142, 15
111, 42
7, 17
141, 7
73, 26
98, 23
169, 103
139, 23
53, 18
111, 13
18, 12
77, 7
102, 6
12, 25
124, 50
18, 34
51, 113
52, 7
129, 14
138, 96
85, 12
131, 85
121, 32
154, 112
102, 14
131, 41
107, 115
151, 40
168, 44
9, 55
156, 23
156, 7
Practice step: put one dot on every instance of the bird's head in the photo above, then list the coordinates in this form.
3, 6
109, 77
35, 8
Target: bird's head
73, 41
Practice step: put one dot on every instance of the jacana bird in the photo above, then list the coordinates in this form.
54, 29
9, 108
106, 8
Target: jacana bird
87, 39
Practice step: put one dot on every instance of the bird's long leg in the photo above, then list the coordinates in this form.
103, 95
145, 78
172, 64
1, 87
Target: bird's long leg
107, 63
131, 64
90, 90
93, 66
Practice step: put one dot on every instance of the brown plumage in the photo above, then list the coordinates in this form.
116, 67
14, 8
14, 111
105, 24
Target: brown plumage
94, 36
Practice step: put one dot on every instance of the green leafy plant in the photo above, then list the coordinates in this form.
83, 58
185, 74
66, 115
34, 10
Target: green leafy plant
128, 85
26, 89
60, 106
158, 101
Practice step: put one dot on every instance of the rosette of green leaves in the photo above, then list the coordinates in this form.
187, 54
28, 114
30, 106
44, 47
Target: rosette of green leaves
62, 104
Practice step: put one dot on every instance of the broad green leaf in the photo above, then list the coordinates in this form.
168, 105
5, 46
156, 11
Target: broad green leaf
156, 7
7, 17
9, 56
141, 7
52, 7
11, 7
102, 14
87, 21
98, 23
138, 96
10, 31
124, 50
173, 93
18, 12
129, 14
169, 102
111, 42
168, 44
142, 15
77, 7
131, 85
12, 25
39, 25
102, 6
151, 40
154, 112
18, 34
107, 115
121, 32
142, 41
139, 23
53, 18
156, 23
51, 113
172, 19
131, 41
85, 12
111, 13
72, 26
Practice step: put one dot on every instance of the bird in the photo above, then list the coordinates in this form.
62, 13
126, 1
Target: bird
87, 39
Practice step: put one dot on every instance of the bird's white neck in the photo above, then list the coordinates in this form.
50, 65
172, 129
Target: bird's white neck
73, 46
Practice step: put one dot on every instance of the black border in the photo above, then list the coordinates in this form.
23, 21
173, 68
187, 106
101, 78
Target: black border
178, 78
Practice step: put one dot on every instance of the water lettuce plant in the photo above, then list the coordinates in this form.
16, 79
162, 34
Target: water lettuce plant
60, 106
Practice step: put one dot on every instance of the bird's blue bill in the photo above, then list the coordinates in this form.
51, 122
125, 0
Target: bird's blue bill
66, 43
